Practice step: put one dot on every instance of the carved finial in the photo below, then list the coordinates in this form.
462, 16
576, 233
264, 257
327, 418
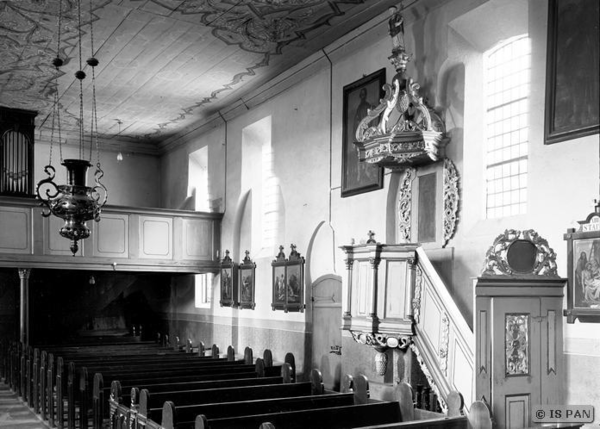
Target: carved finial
371, 240
293, 247
247, 257
280, 256
226, 258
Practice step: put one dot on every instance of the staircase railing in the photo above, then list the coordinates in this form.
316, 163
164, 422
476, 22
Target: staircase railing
443, 342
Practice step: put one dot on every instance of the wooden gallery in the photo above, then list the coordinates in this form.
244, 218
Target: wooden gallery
300, 214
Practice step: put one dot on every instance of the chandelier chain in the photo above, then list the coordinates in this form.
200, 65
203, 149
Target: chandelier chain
81, 133
59, 28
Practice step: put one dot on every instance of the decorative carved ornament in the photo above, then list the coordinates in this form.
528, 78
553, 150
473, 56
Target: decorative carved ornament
405, 205
381, 341
450, 200
520, 253
407, 132
430, 380
443, 352
417, 298
517, 344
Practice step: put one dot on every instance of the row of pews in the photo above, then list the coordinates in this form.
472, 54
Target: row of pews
156, 385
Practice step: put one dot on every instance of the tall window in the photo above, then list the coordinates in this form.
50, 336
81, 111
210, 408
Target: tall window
198, 182
203, 290
258, 175
507, 127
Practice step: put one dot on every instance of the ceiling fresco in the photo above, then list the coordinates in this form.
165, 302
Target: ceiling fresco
164, 65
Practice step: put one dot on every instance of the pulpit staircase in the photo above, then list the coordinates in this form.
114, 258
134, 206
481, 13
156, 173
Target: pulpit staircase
394, 297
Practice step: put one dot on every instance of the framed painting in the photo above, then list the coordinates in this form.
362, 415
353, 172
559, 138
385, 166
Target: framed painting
246, 276
583, 253
228, 282
572, 71
294, 274
279, 281
364, 94
288, 281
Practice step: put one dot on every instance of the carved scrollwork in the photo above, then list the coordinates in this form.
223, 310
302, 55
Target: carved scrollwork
443, 352
381, 341
520, 253
429, 377
451, 198
416, 303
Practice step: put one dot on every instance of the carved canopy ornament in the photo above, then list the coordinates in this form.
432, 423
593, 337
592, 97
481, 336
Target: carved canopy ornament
406, 131
380, 341
520, 254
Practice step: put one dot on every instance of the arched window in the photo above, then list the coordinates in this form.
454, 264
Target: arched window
507, 83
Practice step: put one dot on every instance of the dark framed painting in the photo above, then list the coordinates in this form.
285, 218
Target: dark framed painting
359, 177
288, 281
294, 274
246, 279
572, 71
583, 253
279, 281
228, 282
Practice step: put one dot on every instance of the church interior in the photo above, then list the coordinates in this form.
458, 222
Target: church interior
405, 191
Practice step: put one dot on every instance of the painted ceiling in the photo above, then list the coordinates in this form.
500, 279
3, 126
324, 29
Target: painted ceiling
164, 65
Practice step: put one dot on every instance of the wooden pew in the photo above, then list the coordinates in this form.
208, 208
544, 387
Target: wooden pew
135, 370
76, 386
331, 418
119, 412
371, 415
151, 404
184, 416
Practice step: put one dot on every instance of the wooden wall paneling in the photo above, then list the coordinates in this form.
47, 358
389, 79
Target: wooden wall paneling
197, 239
16, 230
156, 237
110, 236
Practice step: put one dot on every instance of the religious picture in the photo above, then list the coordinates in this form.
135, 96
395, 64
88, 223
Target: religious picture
279, 285
228, 282
359, 97
293, 284
586, 275
246, 273
288, 281
583, 293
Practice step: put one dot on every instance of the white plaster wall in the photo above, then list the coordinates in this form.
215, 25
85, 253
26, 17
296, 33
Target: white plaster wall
174, 167
131, 182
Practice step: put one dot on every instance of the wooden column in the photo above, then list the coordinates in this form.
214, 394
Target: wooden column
24, 305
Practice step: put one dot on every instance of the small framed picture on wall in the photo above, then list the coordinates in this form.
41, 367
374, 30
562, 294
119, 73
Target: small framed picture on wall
288, 281
246, 276
279, 280
583, 267
229, 288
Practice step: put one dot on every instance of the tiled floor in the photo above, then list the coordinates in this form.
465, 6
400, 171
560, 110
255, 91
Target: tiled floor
14, 414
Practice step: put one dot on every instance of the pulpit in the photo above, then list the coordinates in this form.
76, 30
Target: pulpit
377, 301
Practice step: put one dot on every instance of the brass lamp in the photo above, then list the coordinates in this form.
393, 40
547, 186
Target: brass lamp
75, 202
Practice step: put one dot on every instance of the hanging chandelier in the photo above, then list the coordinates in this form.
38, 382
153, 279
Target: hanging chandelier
74, 202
